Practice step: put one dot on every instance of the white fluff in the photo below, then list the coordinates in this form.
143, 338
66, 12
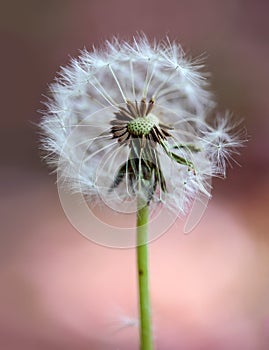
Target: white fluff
87, 93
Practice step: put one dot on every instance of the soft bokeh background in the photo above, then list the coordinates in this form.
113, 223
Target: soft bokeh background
210, 289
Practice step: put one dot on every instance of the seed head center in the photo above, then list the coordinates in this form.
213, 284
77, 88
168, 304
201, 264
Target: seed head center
142, 126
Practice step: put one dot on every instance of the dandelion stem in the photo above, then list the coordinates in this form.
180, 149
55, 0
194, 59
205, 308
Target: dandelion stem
143, 276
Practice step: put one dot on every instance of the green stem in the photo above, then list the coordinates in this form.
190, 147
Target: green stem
143, 277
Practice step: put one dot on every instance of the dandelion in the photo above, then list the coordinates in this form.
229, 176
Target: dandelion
129, 125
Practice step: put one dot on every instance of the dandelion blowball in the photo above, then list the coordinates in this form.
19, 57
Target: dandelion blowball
131, 119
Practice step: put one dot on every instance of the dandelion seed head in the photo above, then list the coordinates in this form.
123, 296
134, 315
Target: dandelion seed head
132, 118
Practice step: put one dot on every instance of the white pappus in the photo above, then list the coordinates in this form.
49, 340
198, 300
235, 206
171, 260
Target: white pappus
135, 118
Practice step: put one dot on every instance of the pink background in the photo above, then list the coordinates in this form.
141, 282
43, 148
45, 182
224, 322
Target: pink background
210, 289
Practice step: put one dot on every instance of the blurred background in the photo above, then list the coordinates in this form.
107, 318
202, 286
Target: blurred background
210, 289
